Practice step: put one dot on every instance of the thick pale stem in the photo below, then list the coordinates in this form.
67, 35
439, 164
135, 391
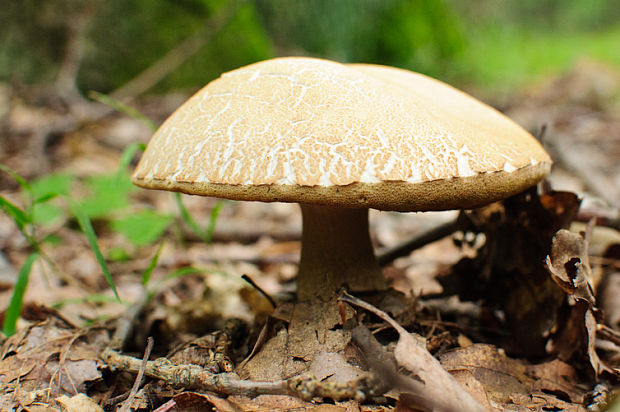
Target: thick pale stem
336, 251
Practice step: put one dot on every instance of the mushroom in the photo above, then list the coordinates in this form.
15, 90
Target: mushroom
339, 139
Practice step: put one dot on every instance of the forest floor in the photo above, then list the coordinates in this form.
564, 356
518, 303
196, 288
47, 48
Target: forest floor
524, 316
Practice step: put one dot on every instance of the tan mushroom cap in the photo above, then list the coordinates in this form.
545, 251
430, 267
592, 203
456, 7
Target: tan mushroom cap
314, 131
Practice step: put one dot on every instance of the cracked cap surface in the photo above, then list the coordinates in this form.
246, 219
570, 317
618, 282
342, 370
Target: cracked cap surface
315, 131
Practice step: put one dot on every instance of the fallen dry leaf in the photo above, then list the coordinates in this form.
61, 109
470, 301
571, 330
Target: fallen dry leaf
568, 263
433, 387
78, 403
514, 384
51, 357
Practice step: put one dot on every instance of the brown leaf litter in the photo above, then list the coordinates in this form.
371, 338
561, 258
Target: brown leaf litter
48, 360
521, 336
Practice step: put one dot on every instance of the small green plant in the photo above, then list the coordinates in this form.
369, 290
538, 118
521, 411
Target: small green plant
142, 228
147, 226
89, 232
52, 197
205, 234
24, 219
47, 188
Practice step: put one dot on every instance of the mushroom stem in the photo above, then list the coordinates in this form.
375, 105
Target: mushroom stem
336, 252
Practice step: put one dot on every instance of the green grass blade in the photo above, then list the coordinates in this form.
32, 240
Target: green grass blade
183, 272
20, 217
173, 275
126, 157
89, 232
17, 300
187, 218
22, 182
123, 108
45, 198
146, 276
215, 212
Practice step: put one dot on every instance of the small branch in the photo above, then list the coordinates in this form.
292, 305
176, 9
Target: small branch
138, 382
417, 242
305, 386
124, 324
260, 290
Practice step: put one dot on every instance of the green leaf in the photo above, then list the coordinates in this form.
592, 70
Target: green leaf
118, 254
45, 198
44, 190
46, 213
89, 232
146, 276
142, 228
20, 218
108, 194
52, 184
17, 299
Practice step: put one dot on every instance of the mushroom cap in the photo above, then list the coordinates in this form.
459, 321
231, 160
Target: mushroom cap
314, 131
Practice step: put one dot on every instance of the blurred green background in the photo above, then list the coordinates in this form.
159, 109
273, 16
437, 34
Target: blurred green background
498, 45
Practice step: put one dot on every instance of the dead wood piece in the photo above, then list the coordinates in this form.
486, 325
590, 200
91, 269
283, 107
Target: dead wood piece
126, 407
224, 343
305, 386
124, 324
438, 391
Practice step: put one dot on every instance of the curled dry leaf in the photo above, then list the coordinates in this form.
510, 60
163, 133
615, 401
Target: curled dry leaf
569, 265
514, 384
434, 388
507, 273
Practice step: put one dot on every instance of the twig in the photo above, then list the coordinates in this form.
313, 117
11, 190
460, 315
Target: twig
607, 333
124, 324
126, 407
260, 290
419, 241
305, 386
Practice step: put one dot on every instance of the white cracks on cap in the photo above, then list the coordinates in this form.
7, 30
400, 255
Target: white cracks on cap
310, 122
508, 167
